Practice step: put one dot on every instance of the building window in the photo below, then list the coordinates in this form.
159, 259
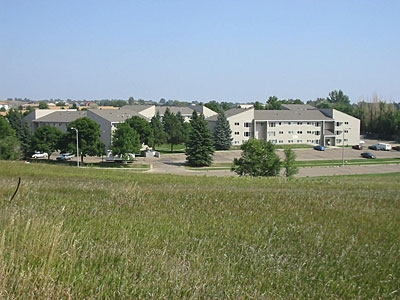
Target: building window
337, 123
317, 124
273, 141
272, 124
236, 123
346, 131
271, 133
317, 133
280, 142
290, 132
309, 132
299, 123
247, 134
289, 123
299, 132
280, 132
280, 123
290, 141
237, 133
309, 123
346, 123
299, 141
246, 124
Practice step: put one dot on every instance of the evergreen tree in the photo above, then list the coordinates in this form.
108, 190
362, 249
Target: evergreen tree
9, 145
258, 158
174, 128
290, 163
160, 137
222, 133
22, 130
199, 148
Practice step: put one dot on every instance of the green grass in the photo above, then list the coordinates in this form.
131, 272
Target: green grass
116, 234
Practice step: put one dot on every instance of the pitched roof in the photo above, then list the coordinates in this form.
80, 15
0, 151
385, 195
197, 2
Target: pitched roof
175, 109
297, 107
116, 115
61, 116
290, 115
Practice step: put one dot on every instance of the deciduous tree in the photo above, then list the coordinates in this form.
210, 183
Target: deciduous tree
46, 139
258, 158
125, 140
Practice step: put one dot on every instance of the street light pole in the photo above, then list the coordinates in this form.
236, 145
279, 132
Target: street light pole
77, 146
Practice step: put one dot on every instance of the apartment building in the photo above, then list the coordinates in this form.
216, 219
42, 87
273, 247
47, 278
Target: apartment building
294, 124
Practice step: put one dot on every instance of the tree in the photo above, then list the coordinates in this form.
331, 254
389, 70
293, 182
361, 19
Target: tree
290, 163
9, 145
143, 128
125, 140
22, 130
89, 138
273, 103
199, 148
160, 137
43, 105
46, 139
258, 158
174, 128
258, 106
131, 101
214, 106
222, 133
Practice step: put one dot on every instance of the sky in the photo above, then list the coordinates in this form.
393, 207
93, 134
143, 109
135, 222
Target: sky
222, 50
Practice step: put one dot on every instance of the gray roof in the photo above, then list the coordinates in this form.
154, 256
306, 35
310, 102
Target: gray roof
185, 111
290, 115
61, 116
137, 107
297, 107
116, 115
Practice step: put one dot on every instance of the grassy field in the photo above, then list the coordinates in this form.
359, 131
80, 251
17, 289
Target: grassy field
74, 233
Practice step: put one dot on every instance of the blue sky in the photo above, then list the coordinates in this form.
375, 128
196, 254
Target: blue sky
235, 51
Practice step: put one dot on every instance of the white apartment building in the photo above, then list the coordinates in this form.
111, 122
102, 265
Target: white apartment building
294, 124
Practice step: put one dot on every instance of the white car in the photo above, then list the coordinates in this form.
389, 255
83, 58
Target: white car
40, 155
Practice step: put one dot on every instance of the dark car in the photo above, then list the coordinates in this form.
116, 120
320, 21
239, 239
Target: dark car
357, 147
367, 155
319, 148
373, 147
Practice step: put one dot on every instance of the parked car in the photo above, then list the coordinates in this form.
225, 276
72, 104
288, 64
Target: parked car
373, 147
319, 148
357, 147
367, 155
65, 156
397, 148
40, 155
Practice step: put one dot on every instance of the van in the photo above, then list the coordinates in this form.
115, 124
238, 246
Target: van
384, 147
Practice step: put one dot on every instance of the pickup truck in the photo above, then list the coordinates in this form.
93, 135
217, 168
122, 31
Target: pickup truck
65, 156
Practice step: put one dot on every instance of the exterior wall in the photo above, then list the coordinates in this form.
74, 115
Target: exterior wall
149, 112
106, 128
36, 114
289, 132
347, 129
242, 126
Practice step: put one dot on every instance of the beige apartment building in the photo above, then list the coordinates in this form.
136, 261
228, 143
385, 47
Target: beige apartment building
294, 124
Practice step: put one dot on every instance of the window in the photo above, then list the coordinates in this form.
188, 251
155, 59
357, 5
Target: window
247, 134
299, 141
299, 132
299, 123
290, 141
309, 123
273, 141
272, 124
346, 131
317, 124
280, 131
290, 132
237, 133
289, 123
337, 123
308, 131
236, 123
280, 123
246, 124
280, 142
316, 132
346, 123
271, 133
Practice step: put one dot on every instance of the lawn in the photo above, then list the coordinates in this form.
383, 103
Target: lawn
90, 233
